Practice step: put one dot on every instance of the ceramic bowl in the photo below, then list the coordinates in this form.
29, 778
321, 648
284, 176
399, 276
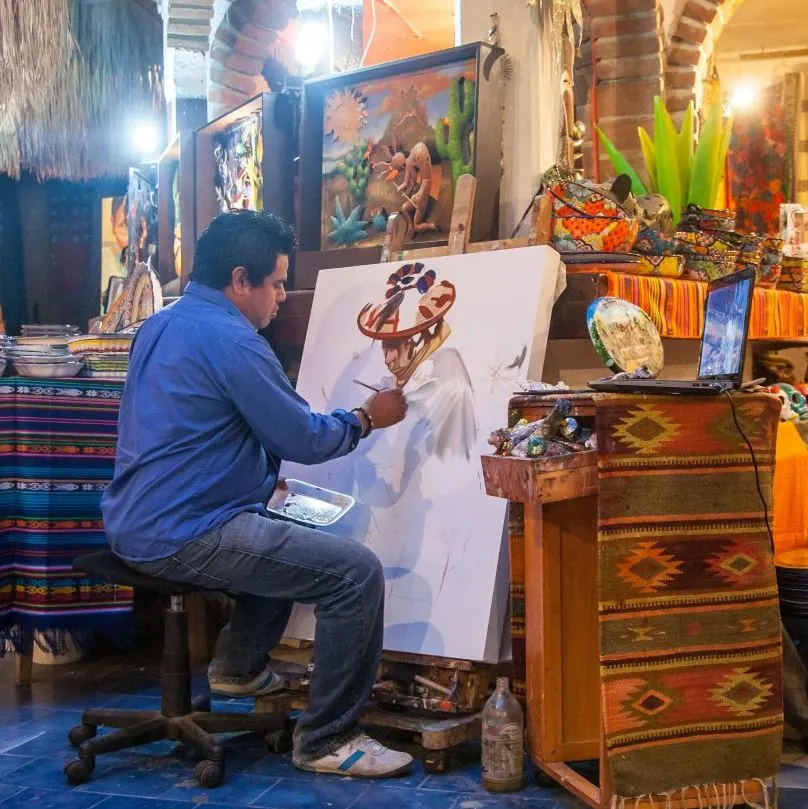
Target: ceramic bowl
48, 369
794, 276
665, 266
768, 274
695, 218
705, 243
710, 267
773, 250
584, 220
653, 243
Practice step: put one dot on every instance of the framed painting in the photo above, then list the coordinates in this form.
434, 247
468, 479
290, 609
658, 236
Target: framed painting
245, 159
395, 138
169, 225
430, 329
141, 219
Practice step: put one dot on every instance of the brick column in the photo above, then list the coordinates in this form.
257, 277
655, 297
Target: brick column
691, 46
626, 36
243, 40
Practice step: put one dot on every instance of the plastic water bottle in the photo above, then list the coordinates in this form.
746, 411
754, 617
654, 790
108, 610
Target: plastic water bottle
503, 741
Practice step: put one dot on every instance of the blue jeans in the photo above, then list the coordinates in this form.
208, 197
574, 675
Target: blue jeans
267, 565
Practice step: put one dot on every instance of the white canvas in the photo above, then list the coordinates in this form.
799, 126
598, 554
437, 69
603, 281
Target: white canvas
421, 501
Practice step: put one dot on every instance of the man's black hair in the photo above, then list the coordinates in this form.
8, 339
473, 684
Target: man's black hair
249, 239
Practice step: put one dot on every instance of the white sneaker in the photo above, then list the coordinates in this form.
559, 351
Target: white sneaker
359, 757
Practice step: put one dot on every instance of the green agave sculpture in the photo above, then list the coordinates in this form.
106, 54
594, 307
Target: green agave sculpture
678, 169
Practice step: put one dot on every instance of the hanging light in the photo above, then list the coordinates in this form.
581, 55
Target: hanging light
145, 139
744, 96
311, 44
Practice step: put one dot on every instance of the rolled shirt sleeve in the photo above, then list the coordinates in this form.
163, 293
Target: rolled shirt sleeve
281, 419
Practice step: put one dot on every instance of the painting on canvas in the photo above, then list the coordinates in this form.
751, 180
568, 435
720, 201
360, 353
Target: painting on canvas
455, 333
238, 155
141, 219
396, 145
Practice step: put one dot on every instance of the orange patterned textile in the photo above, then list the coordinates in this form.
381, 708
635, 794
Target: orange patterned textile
790, 517
676, 306
690, 642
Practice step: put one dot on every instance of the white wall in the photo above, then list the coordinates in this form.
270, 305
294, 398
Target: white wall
530, 137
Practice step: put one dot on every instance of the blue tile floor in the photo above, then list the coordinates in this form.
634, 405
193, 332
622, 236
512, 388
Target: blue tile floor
34, 749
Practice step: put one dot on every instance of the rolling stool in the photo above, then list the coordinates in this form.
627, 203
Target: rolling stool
179, 718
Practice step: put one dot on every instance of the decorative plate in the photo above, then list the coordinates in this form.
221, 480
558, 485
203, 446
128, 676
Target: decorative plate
624, 336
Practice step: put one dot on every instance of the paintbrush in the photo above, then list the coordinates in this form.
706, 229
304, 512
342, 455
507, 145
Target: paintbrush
369, 387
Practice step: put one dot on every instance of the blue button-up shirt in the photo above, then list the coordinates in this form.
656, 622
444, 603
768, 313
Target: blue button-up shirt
206, 417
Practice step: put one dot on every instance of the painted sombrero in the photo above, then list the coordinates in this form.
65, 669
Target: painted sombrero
400, 316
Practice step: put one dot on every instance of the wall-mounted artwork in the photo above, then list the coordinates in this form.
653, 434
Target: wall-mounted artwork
431, 329
395, 139
238, 152
114, 237
141, 220
169, 222
245, 159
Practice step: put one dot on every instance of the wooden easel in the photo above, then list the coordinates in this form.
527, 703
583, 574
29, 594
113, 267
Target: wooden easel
439, 723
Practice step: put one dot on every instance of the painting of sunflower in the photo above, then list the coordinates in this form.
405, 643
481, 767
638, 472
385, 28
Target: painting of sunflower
345, 115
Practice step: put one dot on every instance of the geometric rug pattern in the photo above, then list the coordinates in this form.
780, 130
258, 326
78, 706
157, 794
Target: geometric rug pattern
689, 619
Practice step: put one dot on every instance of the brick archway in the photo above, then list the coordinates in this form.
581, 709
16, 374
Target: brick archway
691, 48
247, 35
625, 37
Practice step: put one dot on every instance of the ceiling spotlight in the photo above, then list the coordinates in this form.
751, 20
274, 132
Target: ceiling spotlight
311, 45
145, 139
744, 96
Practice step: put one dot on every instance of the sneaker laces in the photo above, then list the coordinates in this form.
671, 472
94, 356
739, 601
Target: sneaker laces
357, 737
330, 747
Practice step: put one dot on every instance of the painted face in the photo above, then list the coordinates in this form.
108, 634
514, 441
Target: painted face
398, 356
260, 304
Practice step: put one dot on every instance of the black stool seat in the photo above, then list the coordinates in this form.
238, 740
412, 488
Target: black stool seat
180, 718
107, 565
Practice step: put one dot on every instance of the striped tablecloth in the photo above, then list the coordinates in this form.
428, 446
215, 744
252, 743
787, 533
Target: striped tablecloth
57, 452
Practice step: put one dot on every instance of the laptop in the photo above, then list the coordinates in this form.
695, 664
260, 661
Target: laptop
723, 344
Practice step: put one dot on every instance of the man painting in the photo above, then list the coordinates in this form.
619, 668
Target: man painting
206, 418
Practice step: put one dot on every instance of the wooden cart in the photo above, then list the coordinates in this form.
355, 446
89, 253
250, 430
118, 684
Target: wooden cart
439, 723
561, 609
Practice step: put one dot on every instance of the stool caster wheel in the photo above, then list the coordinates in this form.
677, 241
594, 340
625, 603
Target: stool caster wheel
436, 761
278, 741
79, 771
81, 733
201, 704
544, 780
209, 774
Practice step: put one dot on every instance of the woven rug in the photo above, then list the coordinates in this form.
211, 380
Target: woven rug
57, 454
689, 620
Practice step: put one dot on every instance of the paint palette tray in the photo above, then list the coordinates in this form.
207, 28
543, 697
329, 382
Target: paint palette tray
311, 505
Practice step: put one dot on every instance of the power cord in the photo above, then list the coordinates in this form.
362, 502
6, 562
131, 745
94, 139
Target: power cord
754, 464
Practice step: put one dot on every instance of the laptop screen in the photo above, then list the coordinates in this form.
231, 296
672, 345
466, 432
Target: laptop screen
726, 321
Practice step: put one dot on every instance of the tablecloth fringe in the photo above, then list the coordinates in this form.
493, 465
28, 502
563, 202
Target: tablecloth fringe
709, 796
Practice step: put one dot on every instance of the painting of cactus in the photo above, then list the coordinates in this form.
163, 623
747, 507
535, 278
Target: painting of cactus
393, 140
396, 145
455, 136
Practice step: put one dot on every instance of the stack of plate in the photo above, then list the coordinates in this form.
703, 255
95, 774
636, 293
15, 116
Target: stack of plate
106, 356
792, 580
49, 330
40, 358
